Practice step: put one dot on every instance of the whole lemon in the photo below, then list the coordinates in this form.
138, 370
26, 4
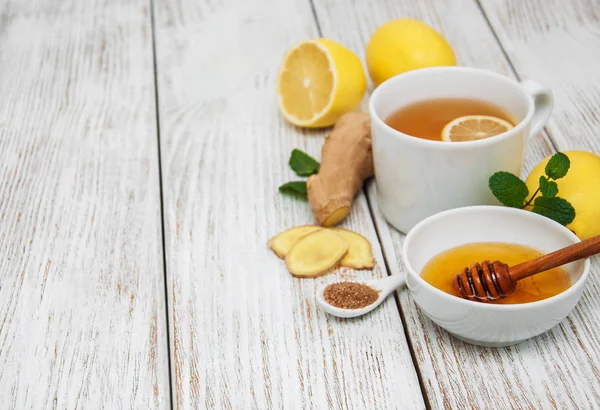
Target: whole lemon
581, 187
403, 45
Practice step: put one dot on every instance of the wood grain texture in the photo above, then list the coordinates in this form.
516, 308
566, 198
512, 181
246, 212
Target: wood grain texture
556, 370
557, 43
245, 333
82, 310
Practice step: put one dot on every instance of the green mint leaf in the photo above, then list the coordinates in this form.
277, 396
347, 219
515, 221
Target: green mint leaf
548, 188
508, 189
303, 164
558, 166
294, 188
554, 208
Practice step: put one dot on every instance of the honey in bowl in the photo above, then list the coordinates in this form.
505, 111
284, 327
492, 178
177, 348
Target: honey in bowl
441, 270
426, 119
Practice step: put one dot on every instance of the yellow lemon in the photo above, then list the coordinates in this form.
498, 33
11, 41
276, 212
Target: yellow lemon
319, 80
403, 45
581, 187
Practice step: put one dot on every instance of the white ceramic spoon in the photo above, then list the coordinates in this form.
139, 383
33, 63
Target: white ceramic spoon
385, 286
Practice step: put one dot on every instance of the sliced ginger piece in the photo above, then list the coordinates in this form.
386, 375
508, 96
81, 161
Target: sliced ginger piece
283, 242
316, 254
360, 255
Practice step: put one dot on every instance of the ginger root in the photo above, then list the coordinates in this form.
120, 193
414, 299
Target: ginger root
360, 255
316, 254
346, 161
283, 242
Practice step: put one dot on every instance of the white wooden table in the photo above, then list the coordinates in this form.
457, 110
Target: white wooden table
140, 154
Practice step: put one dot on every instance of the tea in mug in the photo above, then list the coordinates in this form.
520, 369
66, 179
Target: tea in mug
428, 119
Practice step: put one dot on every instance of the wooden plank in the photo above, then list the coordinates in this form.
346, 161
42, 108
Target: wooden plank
540, 373
82, 309
245, 333
558, 44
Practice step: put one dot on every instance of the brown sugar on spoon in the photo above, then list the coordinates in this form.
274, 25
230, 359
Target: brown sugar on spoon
350, 295
489, 281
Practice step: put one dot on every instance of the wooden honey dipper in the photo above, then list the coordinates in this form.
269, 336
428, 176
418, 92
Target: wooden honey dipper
488, 281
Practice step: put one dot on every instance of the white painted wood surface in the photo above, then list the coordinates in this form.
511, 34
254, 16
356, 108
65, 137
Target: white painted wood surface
557, 43
82, 303
556, 370
82, 309
245, 333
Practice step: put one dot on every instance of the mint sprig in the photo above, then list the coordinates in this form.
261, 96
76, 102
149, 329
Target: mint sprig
548, 188
303, 165
295, 188
554, 208
511, 191
558, 166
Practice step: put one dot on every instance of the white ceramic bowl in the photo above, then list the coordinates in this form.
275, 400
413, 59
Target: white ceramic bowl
480, 323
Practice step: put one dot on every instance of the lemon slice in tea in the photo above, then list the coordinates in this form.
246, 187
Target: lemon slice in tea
474, 127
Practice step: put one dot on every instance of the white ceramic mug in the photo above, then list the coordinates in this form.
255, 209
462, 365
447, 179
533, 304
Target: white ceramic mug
417, 178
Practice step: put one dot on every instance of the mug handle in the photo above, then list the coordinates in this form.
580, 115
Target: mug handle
543, 100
